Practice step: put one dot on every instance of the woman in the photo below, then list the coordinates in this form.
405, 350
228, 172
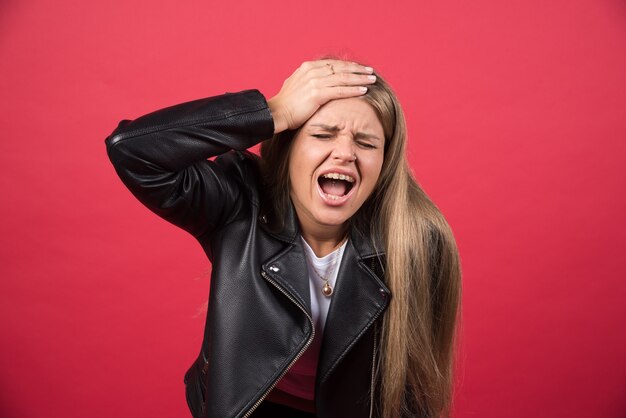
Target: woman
335, 282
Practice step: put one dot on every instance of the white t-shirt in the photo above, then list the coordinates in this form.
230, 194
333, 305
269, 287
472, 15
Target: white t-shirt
327, 265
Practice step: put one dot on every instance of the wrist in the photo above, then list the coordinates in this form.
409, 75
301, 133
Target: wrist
280, 121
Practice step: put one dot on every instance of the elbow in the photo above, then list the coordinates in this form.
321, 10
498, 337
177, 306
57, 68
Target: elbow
117, 134
115, 150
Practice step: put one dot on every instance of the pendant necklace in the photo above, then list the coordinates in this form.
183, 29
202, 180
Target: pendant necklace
327, 288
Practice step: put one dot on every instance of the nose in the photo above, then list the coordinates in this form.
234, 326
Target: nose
344, 150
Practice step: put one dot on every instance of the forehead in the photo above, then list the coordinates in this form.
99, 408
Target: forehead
352, 113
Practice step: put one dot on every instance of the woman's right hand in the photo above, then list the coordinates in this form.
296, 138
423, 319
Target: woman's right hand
312, 85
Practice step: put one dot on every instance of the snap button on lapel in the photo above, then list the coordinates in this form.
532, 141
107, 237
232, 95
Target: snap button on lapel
274, 269
263, 219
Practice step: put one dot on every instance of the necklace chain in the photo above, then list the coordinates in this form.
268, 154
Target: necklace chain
327, 288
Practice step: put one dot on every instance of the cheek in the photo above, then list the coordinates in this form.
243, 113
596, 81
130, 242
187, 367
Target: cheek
296, 161
299, 176
374, 168
295, 181
300, 156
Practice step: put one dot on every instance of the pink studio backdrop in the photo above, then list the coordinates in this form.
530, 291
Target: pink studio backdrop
517, 117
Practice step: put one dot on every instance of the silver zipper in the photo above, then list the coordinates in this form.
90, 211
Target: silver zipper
372, 384
308, 343
373, 376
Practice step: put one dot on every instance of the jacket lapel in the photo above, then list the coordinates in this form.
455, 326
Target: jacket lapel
358, 300
288, 269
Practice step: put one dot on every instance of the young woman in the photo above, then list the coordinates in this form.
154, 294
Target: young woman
335, 283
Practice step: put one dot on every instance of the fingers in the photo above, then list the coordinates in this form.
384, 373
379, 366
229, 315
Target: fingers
328, 66
347, 79
335, 79
341, 92
343, 85
314, 84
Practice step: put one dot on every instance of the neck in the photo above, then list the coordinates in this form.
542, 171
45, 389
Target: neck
325, 241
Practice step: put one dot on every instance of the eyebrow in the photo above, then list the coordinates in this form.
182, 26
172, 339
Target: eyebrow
331, 128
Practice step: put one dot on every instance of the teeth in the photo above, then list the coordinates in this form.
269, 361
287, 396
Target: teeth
337, 176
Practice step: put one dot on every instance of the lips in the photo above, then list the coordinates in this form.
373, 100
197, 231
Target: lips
335, 187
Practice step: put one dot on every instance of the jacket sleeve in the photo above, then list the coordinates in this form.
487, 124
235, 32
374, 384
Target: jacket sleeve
162, 157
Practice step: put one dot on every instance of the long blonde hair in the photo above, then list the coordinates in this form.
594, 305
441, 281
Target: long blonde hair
422, 268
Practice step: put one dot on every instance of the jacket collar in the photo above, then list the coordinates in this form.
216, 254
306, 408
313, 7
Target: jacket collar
365, 245
290, 230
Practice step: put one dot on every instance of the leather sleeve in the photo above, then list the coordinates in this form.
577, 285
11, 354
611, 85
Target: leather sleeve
162, 157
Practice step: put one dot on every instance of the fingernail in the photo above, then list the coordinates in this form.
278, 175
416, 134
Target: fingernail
362, 89
371, 77
368, 69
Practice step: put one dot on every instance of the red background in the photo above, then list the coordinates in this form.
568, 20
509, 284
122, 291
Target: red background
517, 117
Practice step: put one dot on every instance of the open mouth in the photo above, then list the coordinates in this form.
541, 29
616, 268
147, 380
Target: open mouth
335, 185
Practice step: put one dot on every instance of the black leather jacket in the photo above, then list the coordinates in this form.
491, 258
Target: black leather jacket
259, 316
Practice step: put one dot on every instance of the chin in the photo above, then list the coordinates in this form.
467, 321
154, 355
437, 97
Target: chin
333, 219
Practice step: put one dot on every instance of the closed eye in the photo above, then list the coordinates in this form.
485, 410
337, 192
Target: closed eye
366, 145
321, 136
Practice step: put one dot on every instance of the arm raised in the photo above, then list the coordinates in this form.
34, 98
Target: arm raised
162, 157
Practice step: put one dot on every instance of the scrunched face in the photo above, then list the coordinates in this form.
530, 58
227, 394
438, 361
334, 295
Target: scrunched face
334, 163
